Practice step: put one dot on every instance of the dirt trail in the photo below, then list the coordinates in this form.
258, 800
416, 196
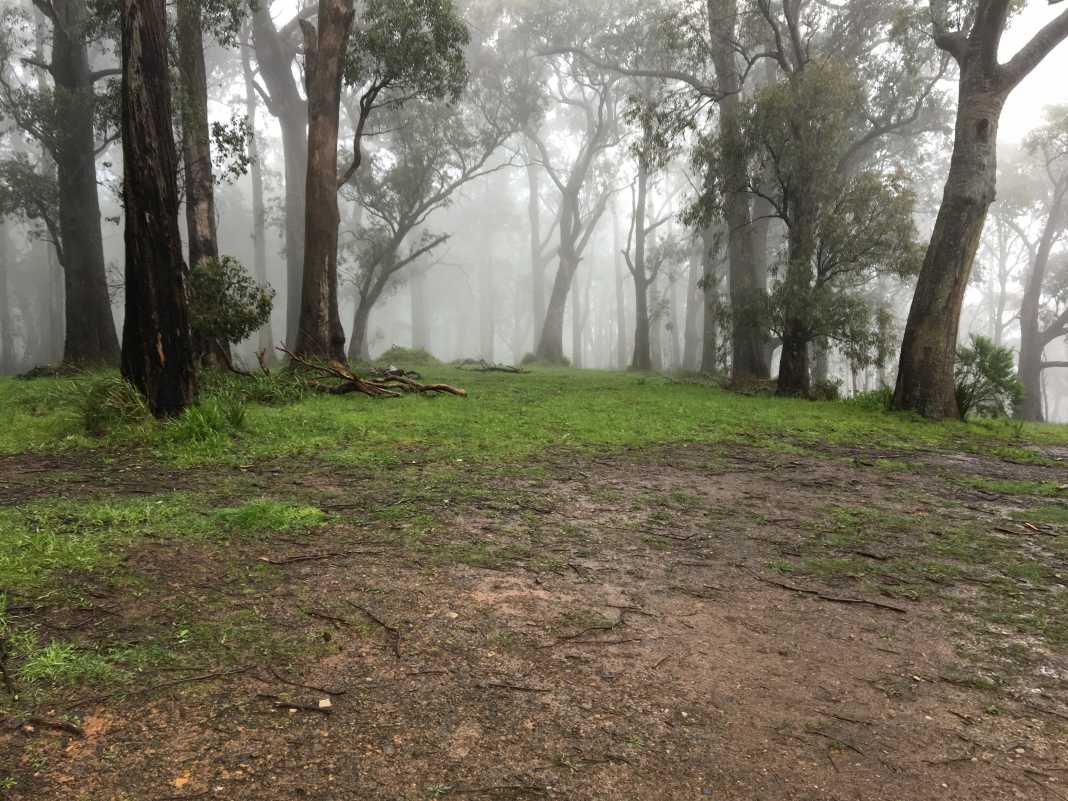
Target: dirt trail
636, 645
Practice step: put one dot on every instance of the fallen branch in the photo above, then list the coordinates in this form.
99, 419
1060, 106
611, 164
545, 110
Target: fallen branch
482, 366
389, 384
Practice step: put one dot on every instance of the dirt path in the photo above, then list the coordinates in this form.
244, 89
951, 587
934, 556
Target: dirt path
626, 630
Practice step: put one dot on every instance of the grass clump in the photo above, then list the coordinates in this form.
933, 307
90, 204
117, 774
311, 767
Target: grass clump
269, 515
402, 357
110, 401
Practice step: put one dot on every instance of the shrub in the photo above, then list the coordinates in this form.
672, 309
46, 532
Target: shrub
109, 402
225, 303
875, 400
986, 382
829, 390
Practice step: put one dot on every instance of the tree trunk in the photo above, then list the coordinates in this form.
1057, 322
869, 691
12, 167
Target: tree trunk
576, 328
925, 382
420, 317
320, 333
7, 339
487, 303
90, 325
641, 358
621, 306
748, 339
551, 344
537, 264
794, 378
359, 347
710, 292
1032, 338
157, 347
196, 158
259, 210
691, 349
275, 59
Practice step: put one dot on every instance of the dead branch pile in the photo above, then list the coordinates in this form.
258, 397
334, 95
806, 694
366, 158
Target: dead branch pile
482, 366
385, 384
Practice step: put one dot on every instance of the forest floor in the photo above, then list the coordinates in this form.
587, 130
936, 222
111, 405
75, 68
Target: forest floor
570, 585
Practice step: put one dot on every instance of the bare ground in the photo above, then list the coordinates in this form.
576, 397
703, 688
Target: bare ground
614, 631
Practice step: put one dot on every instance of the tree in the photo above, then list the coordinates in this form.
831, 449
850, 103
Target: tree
157, 346
320, 332
433, 151
1050, 145
589, 97
65, 119
925, 381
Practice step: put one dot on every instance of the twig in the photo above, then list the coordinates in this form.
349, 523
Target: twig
162, 686
280, 703
394, 634
311, 687
825, 597
314, 557
836, 740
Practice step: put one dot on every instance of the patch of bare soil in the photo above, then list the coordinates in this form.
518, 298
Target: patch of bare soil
623, 638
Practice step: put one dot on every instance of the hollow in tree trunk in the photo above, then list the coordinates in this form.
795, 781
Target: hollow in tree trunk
157, 347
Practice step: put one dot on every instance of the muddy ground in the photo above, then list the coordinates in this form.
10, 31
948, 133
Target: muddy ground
615, 628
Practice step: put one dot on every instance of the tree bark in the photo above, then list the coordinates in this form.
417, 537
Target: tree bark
710, 292
551, 344
275, 58
794, 377
641, 359
90, 326
359, 347
925, 380
196, 157
1033, 339
320, 332
691, 350
259, 210
157, 348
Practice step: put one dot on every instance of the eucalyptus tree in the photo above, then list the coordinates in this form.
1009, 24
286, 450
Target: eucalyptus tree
157, 345
1049, 145
970, 32
431, 152
586, 108
58, 97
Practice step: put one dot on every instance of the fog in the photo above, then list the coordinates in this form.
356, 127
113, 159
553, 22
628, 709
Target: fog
559, 190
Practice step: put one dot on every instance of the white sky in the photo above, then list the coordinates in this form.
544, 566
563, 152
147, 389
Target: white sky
1047, 85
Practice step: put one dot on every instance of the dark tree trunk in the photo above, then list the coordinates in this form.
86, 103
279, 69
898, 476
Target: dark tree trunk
794, 377
157, 348
259, 211
320, 332
196, 158
90, 325
275, 59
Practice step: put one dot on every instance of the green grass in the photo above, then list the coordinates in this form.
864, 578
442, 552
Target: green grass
505, 418
1047, 489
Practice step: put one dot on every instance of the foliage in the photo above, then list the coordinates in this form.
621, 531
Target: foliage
875, 400
225, 302
829, 390
109, 402
27, 193
986, 382
415, 47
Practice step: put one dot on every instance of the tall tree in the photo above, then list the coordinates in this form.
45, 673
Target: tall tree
65, 119
1050, 145
157, 346
925, 379
320, 332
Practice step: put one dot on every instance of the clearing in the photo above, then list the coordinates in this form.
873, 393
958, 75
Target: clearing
570, 585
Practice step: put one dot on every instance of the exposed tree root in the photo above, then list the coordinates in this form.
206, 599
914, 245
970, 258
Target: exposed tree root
482, 366
389, 384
